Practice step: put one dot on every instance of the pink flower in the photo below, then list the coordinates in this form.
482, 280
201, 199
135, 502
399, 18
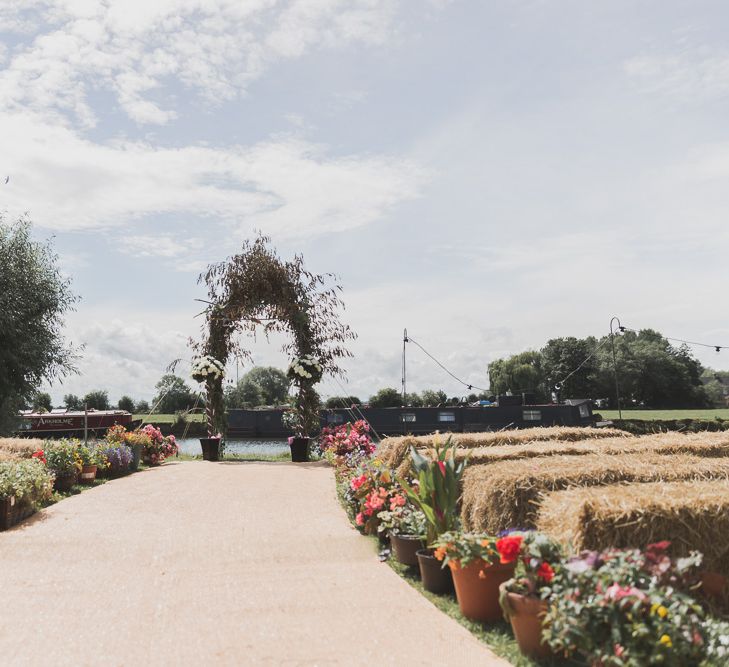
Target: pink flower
357, 482
397, 501
617, 593
442, 467
359, 520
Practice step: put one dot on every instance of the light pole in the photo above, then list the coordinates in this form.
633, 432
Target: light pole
404, 370
615, 363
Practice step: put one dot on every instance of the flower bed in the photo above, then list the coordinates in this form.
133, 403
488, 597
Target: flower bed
506, 495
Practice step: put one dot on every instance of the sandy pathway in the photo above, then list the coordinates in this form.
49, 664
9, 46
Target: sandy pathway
201, 563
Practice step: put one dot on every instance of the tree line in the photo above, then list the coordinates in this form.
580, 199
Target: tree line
651, 371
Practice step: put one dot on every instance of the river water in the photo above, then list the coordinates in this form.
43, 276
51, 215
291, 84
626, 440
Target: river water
252, 446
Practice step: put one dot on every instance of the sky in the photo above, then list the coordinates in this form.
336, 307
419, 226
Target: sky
488, 175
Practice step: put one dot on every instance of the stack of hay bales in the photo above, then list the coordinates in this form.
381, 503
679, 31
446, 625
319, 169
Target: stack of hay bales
507, 494
395, 451
693, 515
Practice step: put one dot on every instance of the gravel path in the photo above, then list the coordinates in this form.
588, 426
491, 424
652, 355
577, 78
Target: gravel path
224, 564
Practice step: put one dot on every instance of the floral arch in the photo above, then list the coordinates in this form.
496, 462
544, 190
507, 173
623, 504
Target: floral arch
255, 290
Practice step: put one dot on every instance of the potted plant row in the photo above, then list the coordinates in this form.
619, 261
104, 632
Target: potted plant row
24, 485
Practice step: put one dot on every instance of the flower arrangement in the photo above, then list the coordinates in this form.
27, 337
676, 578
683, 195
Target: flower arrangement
369, 491
457, 549
438, 488
118, 458
157, 447
305, 371
627, 608
347, 440
539, 558
207, 368
28, 480
63, 458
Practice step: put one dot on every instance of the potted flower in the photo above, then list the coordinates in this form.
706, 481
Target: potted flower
118, 458
628, 607
406, 527
479, 564
208, 370
436, 493
304, 371
523, 598
369, 492
346, 444
89, 464
63, 460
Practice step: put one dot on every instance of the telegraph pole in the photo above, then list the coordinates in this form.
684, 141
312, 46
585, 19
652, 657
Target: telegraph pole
404, 369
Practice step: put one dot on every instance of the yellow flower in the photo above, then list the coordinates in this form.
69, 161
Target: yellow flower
666, 641
659, 609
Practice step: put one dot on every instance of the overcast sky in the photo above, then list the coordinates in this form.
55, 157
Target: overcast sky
487, 174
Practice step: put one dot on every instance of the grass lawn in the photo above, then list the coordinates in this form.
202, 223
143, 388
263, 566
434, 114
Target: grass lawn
720, 413
169, 419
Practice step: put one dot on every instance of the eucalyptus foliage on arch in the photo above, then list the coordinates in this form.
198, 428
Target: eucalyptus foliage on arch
255, 290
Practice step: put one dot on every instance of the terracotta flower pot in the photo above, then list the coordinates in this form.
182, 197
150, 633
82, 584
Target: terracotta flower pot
526, 616
477, 588
65, 482
88, 474
299, 449
405, 548
435, 577
210, 449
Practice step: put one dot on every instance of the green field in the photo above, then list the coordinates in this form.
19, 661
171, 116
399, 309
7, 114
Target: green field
169, 419
718, 413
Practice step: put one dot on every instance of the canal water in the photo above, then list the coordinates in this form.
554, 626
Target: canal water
251, 446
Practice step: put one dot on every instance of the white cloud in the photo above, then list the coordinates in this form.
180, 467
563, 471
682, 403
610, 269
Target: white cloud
288, 186
158, 246
132, 47
689, 76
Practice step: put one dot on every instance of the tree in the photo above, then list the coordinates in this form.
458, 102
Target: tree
413, 400
142, 408
126, 403
341, 402
42, 402
72, 402
173, 395
33, 301
98, 399
433, 398
246, 394
272, 382
386, 398
519, 373
716, 385
574, 359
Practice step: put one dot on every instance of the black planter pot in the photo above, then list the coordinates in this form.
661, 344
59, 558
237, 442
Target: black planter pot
405, 547
210, 449
299, 449
435, 578
136, 457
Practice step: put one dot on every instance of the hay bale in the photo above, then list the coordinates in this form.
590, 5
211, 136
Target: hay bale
8, 456
393, 451
23, 447
693, 515
507, 494
695, 444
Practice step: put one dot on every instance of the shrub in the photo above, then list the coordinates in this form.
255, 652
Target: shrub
28, 480
402, 520
118, 458
347, 440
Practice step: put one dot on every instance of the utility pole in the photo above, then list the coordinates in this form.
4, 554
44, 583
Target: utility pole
86, 424
615, 363
404, 369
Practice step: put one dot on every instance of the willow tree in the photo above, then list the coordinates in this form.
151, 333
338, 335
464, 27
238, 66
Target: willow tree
256, 290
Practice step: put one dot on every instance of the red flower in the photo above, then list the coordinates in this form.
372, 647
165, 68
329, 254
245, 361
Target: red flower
545, 572
40, 455
509, 548
442, 467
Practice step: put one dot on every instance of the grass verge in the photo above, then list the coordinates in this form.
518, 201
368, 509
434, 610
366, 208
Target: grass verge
667, 415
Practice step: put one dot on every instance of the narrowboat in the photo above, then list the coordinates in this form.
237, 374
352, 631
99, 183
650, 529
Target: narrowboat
60, 423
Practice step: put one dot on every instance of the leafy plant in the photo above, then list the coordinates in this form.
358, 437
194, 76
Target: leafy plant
627, 609
402, 520
539, 559
458, 549
438, 488
28, 480
118, 457
63, 458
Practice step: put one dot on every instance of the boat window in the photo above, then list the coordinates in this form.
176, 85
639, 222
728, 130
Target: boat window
446, 416
584, 410
531, 415
408, 417
335, 419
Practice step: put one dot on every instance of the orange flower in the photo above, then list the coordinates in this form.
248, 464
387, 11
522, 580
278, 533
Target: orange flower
440, 553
